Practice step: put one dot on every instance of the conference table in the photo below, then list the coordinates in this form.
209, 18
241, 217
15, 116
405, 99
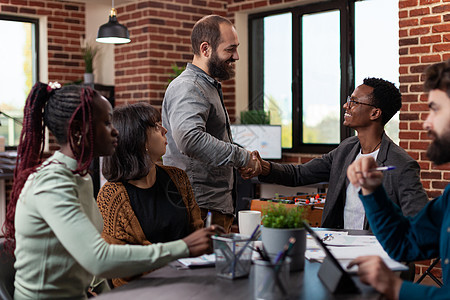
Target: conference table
172, 283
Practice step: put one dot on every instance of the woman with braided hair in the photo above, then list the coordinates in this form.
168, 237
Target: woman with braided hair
53, 221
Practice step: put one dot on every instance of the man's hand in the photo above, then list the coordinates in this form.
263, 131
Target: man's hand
374, 272
199, 242
359, 175
253, 167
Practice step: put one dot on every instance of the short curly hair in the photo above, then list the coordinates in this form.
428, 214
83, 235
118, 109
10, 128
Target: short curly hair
438, 77
385, 96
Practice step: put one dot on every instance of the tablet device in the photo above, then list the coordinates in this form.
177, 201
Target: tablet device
331, 273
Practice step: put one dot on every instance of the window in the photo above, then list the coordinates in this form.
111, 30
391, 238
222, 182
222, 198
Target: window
376, 47
303, 66
273, 86
321, 84
18, 72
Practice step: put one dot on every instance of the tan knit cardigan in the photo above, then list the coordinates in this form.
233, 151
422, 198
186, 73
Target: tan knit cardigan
120, 224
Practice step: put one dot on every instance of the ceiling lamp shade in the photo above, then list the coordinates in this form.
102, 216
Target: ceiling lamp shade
113, 32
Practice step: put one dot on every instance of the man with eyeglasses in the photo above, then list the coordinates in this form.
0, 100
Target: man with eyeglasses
367, 111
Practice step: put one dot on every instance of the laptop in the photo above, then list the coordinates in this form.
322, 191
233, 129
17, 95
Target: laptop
331, 273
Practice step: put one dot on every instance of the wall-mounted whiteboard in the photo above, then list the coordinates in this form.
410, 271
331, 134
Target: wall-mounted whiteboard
264, 138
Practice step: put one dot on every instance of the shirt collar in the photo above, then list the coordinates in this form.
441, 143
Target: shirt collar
62, 158
203, 74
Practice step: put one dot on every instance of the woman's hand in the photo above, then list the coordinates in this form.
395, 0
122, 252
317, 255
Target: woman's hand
199, 242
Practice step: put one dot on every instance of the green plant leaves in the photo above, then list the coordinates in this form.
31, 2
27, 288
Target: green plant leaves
280, 216
89, 53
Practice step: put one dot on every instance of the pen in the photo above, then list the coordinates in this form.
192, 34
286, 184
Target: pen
252, 238
235, 260
386, 168
276, 267
264, 250
208, 219
285, 252
263, 254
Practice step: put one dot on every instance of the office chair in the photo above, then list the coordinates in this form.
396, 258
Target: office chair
7, 272
428, 272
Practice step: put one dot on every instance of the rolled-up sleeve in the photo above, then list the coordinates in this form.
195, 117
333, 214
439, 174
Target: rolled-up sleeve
61, 210
188, 110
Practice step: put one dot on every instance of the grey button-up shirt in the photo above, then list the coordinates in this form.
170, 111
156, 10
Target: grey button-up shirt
199, 138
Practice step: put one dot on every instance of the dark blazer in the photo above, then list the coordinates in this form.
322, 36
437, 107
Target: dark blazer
402, 184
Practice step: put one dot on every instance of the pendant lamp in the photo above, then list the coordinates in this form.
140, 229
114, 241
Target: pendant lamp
113, 32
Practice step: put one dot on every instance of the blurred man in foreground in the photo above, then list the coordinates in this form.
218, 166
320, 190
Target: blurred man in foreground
425, 236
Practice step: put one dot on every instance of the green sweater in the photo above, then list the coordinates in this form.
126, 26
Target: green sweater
58, 242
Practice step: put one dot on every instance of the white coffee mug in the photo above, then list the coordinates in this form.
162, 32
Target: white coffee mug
247, 220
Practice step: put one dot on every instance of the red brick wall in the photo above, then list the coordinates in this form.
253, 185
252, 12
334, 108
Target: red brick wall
66, 24
160, 33
424, 39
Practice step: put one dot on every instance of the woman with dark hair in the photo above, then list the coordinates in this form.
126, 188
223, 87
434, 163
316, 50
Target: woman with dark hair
53, 221
144, 202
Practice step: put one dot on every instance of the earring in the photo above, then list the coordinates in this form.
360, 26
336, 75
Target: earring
79, 140
146, 149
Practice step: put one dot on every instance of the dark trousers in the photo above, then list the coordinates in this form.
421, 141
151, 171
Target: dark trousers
218, 218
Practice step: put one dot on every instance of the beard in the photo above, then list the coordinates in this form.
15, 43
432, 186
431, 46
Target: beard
439, 150
220, 69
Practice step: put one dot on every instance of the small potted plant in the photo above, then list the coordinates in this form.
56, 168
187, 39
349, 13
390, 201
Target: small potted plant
279, 224
255, 117
89, 53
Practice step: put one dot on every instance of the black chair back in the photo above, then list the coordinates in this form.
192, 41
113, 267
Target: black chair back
7, 272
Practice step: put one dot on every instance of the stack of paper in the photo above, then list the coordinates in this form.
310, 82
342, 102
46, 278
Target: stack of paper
209, 260
347, 247
206, 260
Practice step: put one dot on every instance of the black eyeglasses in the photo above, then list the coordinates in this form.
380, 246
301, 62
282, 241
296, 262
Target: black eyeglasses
351, 102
